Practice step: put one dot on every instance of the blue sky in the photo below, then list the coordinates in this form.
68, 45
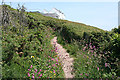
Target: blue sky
103, 15
119, 13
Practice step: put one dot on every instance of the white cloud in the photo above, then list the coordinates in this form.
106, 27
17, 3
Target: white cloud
60, 0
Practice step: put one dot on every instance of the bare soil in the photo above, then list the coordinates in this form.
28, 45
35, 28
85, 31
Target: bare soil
66, 61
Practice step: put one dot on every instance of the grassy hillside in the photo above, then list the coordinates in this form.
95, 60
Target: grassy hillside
90, 47
77, 29
27, 51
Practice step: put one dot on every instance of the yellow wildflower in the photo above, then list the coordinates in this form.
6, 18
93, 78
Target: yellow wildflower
87, 56
54, 74
50, 71
32, 56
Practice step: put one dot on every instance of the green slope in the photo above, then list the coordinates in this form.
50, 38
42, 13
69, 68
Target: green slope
23, 47
76, 28
31, 35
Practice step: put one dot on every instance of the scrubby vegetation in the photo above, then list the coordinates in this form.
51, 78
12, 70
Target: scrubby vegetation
27, 52
96, 54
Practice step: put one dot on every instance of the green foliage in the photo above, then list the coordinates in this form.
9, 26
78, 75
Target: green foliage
74, 37
68, 30
95, 51
116, 45
18, 49
106, 47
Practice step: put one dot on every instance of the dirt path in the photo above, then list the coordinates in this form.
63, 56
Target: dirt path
65, 59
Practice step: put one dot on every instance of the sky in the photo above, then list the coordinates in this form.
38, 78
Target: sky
103, 15
61, 0
119, 13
